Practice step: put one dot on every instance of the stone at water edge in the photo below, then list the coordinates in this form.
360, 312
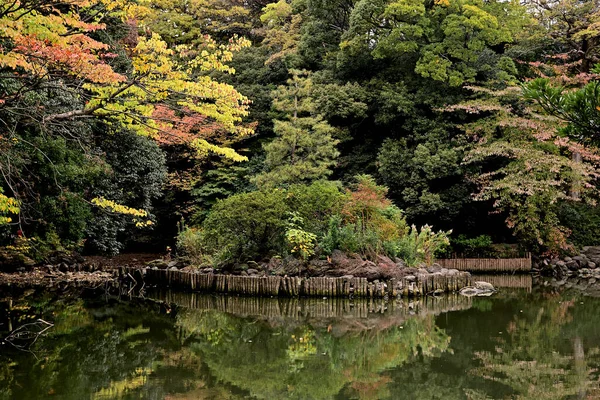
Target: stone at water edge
479, 289
484, 286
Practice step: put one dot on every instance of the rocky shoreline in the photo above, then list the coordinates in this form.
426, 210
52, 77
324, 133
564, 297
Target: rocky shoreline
585, 265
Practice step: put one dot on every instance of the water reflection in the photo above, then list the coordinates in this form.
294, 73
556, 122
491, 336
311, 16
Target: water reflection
518, 345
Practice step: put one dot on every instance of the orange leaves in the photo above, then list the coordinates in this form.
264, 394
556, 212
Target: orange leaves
43, 39
167, 90
76, 59
175, 130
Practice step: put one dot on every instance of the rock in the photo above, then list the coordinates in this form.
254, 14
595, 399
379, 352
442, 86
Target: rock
174, 269
383, 261
160, 264
172, 264
484, 286
479, 289
244, 273
434, 268
63, 267
572, 265
252, 272
339, 259
567, 259
410, 278
581, 261
207, 270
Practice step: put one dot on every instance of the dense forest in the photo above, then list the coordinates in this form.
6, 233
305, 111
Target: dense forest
233, 130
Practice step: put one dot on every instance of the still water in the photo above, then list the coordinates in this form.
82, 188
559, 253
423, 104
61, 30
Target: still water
518, 344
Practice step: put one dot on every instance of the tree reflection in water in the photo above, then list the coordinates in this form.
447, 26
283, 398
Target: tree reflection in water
510, 347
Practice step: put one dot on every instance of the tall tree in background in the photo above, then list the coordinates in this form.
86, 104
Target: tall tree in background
304, 149
568, 30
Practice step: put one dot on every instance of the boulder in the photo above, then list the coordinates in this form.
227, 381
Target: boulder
484, 286
367, 269
383, 261
478, 289
572, 265
434, 268
160, 264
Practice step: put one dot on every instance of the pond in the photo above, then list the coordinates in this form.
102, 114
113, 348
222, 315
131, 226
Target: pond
518, 344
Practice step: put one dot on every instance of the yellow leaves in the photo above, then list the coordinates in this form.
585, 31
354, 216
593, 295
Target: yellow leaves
444, 3
8, 205
124, 210
49, 40
203, 148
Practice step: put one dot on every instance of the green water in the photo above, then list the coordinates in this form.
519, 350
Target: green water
515, 345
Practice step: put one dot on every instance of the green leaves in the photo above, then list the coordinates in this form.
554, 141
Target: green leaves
579, 108
304, 149
448, 37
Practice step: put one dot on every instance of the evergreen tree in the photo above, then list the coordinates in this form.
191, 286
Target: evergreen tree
304, 150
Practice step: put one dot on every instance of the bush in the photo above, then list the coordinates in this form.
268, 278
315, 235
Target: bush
420, 247
480, 246
190, 242
300, 242
307, 218
368, 221
246, 226
583, 221
316, 204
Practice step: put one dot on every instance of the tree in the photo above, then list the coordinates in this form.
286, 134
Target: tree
83, 68
281, 30
452, 41
569, 31
580, 108
48, 46
524, 166
188, 22
304, 149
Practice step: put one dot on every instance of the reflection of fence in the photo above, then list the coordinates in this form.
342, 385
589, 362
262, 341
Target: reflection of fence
519, 281
488, 264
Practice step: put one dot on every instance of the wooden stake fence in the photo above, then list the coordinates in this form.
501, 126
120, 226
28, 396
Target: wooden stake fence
488, 264
310, 287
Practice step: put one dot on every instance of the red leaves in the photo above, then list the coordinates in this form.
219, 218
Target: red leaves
182, 129
77, 59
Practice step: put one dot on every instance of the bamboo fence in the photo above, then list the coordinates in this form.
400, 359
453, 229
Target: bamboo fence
488, 264
310, 287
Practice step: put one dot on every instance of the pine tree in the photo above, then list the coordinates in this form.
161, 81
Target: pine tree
304, 150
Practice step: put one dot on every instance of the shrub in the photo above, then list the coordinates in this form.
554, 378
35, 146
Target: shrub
367, 222
316, 203
583, 221
300, 242
246, 226
420, 247
190, 242
480, 246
